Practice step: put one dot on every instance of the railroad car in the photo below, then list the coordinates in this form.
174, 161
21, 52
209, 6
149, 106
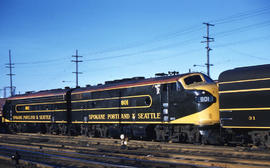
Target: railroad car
37, 111
178, 108
244, 104
2, 103
166, 108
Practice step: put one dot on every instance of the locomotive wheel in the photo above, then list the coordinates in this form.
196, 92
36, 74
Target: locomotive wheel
63, 129
261, 138
162, 133
267, 139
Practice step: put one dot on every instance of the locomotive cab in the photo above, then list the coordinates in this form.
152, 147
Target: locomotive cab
190, 108
195, 100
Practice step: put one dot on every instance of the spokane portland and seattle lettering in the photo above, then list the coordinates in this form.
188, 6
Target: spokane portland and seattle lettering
124, 116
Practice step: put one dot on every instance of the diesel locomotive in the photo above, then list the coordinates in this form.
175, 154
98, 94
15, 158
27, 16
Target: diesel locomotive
181, 108
245, 105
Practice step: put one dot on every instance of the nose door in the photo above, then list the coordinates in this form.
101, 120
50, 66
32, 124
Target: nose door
165, 102
170, 97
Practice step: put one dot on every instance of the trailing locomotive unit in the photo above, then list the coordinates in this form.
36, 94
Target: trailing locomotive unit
44, 111
173, 108
244, 104
178, 108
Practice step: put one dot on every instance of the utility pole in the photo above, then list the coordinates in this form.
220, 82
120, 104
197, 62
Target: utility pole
208, 49
10, 66
77, 68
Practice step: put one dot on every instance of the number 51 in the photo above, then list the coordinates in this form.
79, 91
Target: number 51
251, 118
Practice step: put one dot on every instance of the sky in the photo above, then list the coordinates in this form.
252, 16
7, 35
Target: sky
126, 38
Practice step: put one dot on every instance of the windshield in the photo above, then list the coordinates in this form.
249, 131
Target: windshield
193, 79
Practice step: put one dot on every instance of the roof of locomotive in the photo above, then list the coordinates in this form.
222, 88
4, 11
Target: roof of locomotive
245, 73
128, 82
43, 93
137, 81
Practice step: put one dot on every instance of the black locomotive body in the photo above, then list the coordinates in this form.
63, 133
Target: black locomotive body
163, 108
31, 111
157, 100
187, 108
180, 107
244, 103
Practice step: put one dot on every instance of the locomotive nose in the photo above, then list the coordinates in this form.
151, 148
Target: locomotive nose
210, 98
204, 97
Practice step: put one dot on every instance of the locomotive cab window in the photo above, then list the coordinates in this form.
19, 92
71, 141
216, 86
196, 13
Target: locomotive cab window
193, 79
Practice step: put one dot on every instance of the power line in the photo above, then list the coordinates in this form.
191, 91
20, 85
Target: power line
221, 34
77, 66
248, 54
10, 66
186, 42
170, 35
222, 21
151, 60
192, 29
244, 28
250, 40
40, 62
208, 49
156, 39
242, 15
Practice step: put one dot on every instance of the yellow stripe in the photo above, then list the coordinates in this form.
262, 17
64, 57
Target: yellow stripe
92, 122
112, 98
89, 100
40, 103
139, 85
62, 110
245, 90
17, 105
114, 108
245, 127
248, 80
37, 96
14, 121
245, 109
33, 121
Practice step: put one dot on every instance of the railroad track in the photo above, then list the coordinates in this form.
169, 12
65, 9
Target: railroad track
65, 151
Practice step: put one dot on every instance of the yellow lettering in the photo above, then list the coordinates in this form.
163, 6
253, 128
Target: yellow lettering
117, 116
29, 117
44, 117
17, 117
145, 116
124, 102
113, 116
125, 116
158, 115
140, 116
96, 116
